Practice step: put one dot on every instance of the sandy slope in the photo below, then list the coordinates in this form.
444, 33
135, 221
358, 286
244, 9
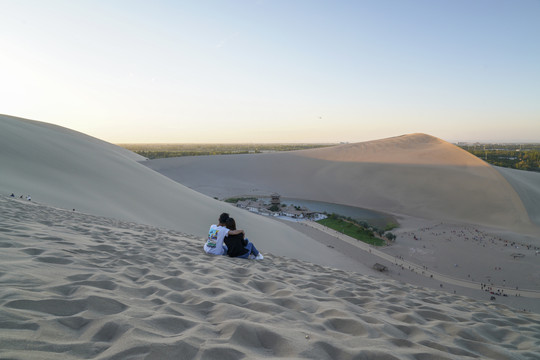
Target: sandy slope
85, 286
77, 286
416, 175
70, 170
527, 185
459, 216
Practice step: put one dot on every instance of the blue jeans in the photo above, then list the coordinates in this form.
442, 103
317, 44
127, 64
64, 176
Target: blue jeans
251, 250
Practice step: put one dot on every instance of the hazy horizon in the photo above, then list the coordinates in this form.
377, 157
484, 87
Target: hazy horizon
255, 71
310, 143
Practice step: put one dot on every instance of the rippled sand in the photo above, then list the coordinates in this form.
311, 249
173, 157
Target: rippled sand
77, 286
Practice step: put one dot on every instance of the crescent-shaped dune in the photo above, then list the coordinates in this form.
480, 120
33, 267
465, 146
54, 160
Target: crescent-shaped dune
417, 175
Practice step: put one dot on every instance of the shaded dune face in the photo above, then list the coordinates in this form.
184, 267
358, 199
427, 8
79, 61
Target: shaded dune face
70, 170
527, 185
422, 175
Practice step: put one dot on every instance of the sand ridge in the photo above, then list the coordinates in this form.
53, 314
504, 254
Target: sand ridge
82, 286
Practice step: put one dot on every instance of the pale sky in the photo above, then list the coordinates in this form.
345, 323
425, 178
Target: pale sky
275, 70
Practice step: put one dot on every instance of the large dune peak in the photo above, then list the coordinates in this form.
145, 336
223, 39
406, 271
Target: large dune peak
417, 148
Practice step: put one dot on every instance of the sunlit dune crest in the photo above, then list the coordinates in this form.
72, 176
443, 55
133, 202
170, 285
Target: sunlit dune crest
418, 149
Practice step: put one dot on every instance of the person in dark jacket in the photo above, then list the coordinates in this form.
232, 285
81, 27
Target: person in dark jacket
238, 246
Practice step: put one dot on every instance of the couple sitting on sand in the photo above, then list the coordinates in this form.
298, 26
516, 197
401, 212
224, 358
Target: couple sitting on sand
224, 239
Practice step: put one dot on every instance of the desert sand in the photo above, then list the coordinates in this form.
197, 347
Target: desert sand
441, 195
527, 186
77, 286
106, 260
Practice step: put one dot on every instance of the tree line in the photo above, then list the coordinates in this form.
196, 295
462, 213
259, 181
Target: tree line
360, 230
159, 151
521, 159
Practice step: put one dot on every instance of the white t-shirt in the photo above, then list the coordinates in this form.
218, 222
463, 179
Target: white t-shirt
214, 244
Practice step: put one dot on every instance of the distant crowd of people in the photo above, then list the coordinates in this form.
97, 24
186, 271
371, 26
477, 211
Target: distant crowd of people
22, 197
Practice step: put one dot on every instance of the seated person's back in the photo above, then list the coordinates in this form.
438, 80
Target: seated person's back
238, 245
235, 245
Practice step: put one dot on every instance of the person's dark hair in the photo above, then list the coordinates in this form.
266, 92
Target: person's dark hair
231, 224
223, 218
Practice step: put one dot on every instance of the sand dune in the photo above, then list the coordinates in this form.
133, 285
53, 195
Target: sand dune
78, 286
124, 275
416, 175
527, 185
70, 170
412, 149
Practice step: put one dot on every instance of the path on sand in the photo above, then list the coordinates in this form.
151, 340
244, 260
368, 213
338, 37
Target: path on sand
415, 267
